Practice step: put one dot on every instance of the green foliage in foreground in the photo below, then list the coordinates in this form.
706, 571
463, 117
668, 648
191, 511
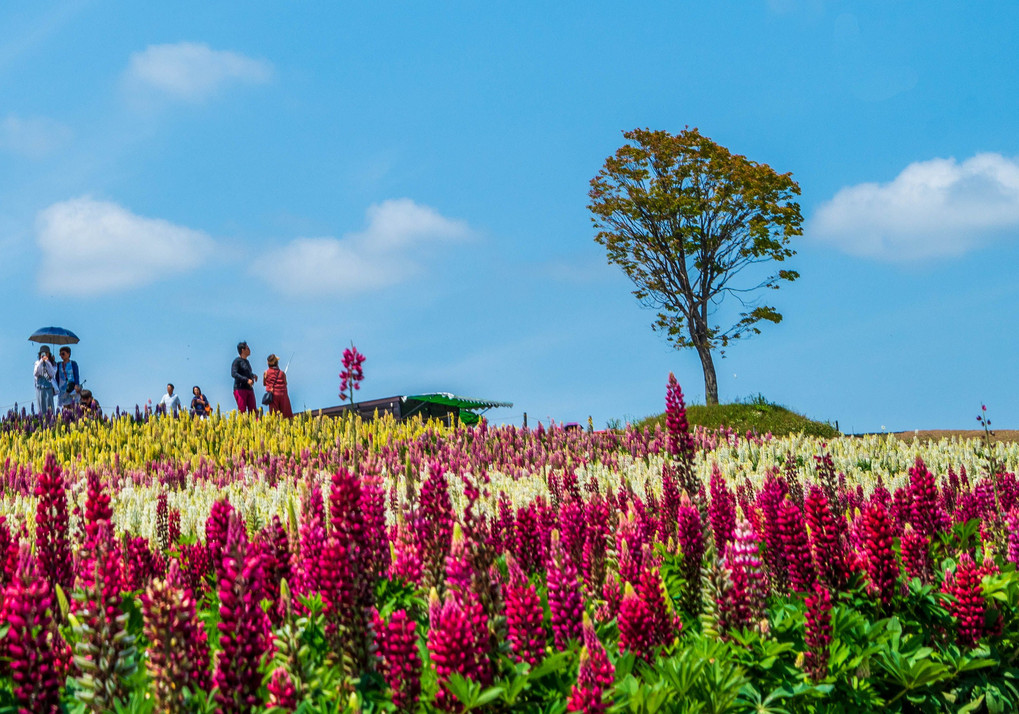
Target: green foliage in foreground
757, 415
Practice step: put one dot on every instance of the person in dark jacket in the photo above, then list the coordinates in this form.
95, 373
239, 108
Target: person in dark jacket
275, 382
244, 380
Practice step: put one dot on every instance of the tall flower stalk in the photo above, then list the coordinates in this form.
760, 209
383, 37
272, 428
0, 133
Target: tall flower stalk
352, 374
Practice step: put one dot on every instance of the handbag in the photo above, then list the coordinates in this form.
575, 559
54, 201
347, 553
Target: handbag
267, 398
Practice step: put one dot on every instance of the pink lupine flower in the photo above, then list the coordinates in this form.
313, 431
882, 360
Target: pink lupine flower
587, 695
926, 514
527, 543
681, 444
722, 511
593, 557
459, 570
669, 509
216, 527
525, 632
32, 643
434, 525
195, 568
312, 536
573, 530
162, 522
376, 540
636, 627
664, 623
453, 638
966, 600
690, 539
97, 504
243, 627
52, 526
406, 561
877, 537
336, 584
178, 654
769, 500
8, 547
1013, 536
798, 558
173, 527
818, 632
564, 599
827, 536
506, 524
742, 603
400, 662
282, 692
916, 555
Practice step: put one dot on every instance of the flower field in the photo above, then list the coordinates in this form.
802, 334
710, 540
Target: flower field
315, 565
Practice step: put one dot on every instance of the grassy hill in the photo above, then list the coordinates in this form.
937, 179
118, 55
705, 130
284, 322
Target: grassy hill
757, 415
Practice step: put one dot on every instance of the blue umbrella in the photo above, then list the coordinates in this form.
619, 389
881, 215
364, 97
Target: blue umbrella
54, 336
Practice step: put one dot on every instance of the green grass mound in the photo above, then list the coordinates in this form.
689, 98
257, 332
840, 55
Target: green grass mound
757, 415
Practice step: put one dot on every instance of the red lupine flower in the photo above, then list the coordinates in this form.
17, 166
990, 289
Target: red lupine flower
877, 537
926, 514
282, 692
827, 536
818, 632
52, 526
33, 643
798, 558
742, 603
400, 662
636, 626
178, 653
243, 627
523, 616
681, 444
453, 638
916, 555
722, 511
966, 601
564, 599
690, 539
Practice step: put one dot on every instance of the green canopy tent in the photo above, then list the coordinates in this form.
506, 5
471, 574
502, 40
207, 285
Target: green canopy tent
467, 408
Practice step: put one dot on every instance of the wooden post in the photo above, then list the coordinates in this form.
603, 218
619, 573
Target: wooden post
525, 420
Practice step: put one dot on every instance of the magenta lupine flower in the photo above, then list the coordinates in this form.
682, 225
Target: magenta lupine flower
162, 522
312, 541
8, 546
669, 509
243, 627
926, 514
97, 505
596, 535
1008, 491
1013, 536
681, 444
636, 627
32, 643
399, 660
795, 544
406, 561
601, 667
434, 525
573, 530
742, 603
966, 600
506, 524
52, 526
565, 602
587, 695
526, 634
769, 500
827, 536
282, 692
352, 374
459, 570
178, 653
916, 555
376, 539
817, 636
722, 511
141, 563
900, 508
336, 584
216, 527
664, 623
173, 527
527, 544
453, 637
195, 567
877, 537
690, 539
612, 594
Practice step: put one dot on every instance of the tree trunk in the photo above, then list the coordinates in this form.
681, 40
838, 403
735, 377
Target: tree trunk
710, 383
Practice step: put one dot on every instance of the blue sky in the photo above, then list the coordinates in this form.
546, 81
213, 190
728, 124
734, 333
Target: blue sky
412, 177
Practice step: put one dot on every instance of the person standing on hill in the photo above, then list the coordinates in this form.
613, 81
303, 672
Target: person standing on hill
68, 380
244, 380
45, 374
275, 382
170, 403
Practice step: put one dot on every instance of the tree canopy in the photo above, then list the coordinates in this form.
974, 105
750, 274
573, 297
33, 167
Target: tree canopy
685, 218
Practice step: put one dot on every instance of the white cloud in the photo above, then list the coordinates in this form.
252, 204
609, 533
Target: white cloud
92, 247
388, 251
933, 209
192, 71
31, 136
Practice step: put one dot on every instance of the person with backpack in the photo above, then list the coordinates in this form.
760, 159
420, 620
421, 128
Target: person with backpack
68, 379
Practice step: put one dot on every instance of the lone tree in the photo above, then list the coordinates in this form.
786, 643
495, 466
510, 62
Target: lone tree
684, 217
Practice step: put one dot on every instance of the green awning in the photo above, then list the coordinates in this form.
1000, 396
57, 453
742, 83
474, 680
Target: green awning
452, 400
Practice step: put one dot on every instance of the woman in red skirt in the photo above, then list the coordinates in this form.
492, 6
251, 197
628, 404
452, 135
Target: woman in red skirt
275, 382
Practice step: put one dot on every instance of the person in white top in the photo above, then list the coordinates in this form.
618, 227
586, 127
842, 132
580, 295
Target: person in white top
170, 402
45, 373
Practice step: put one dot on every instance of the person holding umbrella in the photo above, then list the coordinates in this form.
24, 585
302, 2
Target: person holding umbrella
45, 372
